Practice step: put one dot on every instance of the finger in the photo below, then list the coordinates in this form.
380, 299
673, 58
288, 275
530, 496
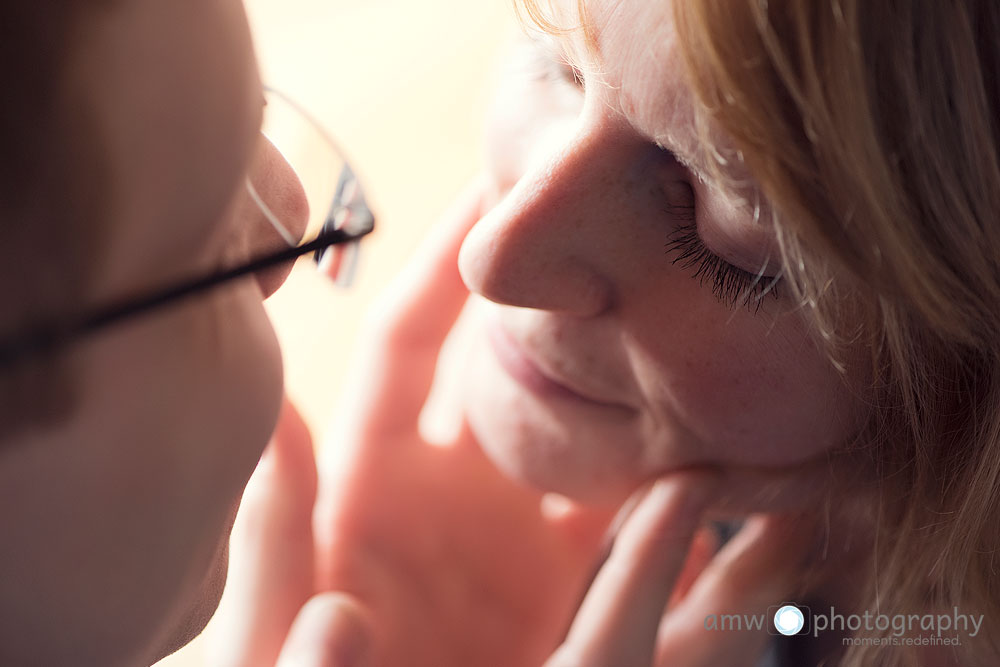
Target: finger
271, 571
409, 324
332, 630
581, 526
595, 531
618, 621
703, 548
758, 568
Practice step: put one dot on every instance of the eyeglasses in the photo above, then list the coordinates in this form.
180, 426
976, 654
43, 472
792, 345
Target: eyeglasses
331, 235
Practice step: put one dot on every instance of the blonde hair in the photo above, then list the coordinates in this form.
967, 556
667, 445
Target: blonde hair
871, 127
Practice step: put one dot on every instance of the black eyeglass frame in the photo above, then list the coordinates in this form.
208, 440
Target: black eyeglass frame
47, 338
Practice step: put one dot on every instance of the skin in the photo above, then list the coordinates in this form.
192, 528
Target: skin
116, 521
445, 561
439, 559
595, 362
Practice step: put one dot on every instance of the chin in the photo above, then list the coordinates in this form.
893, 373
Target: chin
550, 448
199, 611
553, 468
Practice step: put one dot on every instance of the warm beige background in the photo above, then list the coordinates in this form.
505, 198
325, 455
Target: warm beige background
403, 85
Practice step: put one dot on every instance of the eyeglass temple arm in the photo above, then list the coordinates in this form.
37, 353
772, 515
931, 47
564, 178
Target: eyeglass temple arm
49, 337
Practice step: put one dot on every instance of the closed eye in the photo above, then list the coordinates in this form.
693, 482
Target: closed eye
730, 284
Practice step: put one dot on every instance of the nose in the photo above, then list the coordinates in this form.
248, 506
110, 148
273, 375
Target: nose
280, 189
550, 243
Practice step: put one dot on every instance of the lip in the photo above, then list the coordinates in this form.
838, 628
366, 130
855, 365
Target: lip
516, 361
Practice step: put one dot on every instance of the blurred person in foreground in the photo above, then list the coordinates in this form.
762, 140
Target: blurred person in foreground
130, 129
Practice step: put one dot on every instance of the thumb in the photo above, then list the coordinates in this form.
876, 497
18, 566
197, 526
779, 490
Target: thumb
271, 571
332, 630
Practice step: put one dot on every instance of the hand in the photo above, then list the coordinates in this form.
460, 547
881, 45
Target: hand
270, 614
456, 565
622, 620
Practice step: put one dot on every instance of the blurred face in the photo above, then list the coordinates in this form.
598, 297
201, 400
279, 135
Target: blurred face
623, 331
115, 523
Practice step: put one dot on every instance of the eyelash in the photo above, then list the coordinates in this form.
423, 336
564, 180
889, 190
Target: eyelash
731, 285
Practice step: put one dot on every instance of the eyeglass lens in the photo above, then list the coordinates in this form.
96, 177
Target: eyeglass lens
335, 197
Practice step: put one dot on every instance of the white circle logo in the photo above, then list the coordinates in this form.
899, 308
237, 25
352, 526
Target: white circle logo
789, 620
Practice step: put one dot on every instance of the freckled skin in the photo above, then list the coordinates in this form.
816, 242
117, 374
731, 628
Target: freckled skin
574, 262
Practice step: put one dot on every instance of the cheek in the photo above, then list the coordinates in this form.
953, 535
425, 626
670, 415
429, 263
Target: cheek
744, 389
222, 428
248, 375
136, 491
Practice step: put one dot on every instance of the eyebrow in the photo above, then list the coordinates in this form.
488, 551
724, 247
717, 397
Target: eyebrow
686, 160
731, 178
712, 159
562, 41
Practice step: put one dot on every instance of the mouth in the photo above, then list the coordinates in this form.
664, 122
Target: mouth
522, 368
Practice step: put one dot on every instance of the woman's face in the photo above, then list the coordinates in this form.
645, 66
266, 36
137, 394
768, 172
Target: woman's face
601, 361
120, 516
